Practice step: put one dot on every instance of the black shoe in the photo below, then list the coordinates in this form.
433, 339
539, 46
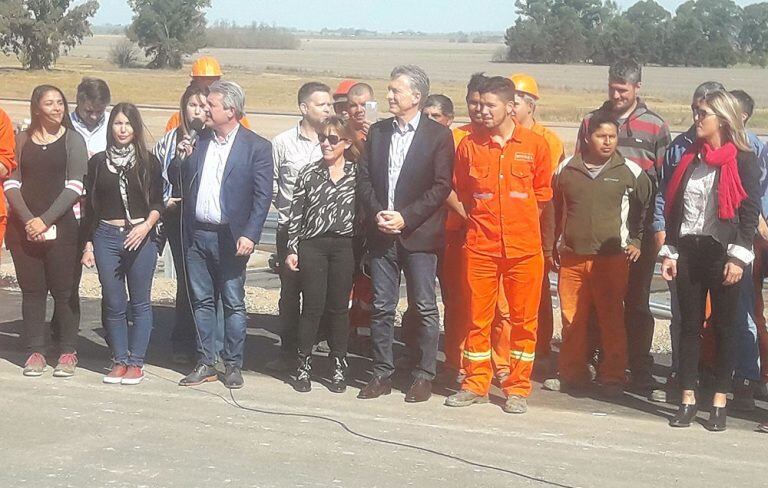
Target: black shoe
338, 382
302, 383
716, 422
743, 396
684, 416
232, 377
420, 391
202, 374
375, 388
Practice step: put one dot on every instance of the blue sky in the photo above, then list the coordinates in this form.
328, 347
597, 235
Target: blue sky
380, 15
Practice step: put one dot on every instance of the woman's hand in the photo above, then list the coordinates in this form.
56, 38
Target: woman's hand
88, 260
732, 272
136, 236
669, 269
34, 228
292, 261
184, 148
172, 203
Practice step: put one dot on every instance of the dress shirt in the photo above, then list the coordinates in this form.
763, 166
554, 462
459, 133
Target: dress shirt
291, 152
208, 208
398, 150
96, 139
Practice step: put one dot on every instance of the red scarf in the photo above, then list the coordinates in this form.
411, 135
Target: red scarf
730, 193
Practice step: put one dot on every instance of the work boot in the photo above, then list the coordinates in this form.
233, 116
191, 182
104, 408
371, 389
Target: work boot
35, 365
338, 368
743, 396
465, 398
66, 366
516, 404
552, 384
303, 372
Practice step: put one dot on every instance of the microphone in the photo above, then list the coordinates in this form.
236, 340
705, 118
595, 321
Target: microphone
195, 127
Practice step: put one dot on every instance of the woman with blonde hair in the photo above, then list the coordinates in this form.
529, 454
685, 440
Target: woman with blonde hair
712, 206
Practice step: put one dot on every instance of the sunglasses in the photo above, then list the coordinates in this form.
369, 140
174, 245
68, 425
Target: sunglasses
700, 114
332, 139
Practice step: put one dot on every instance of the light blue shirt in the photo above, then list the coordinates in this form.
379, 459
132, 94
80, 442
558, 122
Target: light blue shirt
402, 137
208, 208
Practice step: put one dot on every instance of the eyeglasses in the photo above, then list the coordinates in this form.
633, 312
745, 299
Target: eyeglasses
332, 139
701, 114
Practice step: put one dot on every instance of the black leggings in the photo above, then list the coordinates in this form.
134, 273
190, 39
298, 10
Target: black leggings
700, 270
40, 268
326, 269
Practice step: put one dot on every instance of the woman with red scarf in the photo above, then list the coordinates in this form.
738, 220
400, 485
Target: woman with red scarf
712, 205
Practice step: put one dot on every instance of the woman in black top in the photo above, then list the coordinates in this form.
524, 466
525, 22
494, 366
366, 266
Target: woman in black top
42, 233
712, 206
320, 232
124, 189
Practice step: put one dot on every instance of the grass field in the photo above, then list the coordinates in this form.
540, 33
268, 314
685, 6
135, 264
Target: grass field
272, 77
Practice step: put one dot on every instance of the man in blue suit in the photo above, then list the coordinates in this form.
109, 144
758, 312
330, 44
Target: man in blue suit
226, 187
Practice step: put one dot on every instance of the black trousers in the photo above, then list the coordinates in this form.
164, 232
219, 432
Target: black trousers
326, 271
700, 270
637, 313
42, 268
290, 291
183, 335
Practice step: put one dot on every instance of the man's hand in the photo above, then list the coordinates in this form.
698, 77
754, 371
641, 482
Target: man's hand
35, 227
366, 126
88, 260
172, 202
658, 240
244, 247
669, 269
632, 253
732, 272
292, 261
390, 222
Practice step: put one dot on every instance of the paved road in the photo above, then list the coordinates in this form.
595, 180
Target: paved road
81, 433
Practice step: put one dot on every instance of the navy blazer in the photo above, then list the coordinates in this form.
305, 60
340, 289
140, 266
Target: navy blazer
246, 186
424, 184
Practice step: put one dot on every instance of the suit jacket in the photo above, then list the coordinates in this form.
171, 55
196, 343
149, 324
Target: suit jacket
246, 187
424, 184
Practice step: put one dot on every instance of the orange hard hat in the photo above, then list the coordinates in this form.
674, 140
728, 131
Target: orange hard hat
526, 84
343, 89
206, 66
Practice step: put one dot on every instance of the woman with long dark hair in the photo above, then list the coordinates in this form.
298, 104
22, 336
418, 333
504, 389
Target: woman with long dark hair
43, 232
124, 188
712, 207
320, 232
192, 108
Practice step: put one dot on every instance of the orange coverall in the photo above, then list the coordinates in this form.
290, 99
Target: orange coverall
7, 160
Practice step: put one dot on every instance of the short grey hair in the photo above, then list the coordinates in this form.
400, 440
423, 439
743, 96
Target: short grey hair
232, 94
529, 99
417, 78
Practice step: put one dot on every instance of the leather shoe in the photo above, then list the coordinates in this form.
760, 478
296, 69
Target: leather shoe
716, 422
375, 388
203, 373
684, 416
232, 377
420, 391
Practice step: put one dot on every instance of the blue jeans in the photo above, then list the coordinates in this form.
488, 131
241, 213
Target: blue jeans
748, 363
214, 271
420, 269
116, 266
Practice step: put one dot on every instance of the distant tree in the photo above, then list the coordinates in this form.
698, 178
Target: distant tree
38, 31
652, 23
753, 38
708, 33
168, 29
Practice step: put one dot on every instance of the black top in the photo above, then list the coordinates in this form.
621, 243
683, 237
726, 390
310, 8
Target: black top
321, 206
44, 176
103, 200
739, 230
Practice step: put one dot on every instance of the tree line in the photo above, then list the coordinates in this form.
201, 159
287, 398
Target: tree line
716, 33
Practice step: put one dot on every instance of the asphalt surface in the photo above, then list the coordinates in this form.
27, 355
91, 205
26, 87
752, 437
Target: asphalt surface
79, 432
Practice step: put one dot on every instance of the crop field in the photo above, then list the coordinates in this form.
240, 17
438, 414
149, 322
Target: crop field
272, 77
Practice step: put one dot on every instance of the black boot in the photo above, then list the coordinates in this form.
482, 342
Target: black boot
338, 368
716, 422
684, 416
303, 372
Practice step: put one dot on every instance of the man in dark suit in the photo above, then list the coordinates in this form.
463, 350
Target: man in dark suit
403, 182
226, 181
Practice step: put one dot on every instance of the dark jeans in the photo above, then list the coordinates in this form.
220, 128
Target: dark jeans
326, 269
183, 334
290, 291
42, 268
700, 270
420, 270
637, 314
117, 268
214, 271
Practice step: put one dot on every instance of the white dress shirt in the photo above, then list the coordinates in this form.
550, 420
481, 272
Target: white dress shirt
96, 139
398, 150
208, 208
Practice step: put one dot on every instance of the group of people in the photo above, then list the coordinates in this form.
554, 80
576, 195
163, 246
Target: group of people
487, 210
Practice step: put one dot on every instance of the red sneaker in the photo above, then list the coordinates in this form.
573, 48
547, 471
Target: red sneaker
115, 377
133, 376
66, 366
35, 365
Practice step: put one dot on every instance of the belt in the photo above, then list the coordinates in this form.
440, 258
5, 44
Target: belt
210, 227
